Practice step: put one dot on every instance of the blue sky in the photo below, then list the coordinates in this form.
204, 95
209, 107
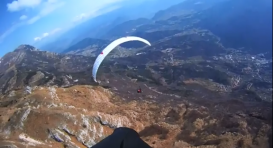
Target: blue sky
32, 21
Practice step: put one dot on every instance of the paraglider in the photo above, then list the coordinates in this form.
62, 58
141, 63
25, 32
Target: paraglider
110, 47
139, 90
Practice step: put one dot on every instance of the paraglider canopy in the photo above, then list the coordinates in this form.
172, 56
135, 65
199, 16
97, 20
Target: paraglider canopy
110, 47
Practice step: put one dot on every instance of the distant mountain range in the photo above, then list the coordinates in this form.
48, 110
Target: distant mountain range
99, 26
236, 24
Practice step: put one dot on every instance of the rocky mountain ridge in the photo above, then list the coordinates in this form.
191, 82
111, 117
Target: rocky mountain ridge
27, 66
197, 90
50, 99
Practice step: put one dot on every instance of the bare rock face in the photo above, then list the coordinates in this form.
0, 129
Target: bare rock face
37, 77
80, 116
51, 117
28, 66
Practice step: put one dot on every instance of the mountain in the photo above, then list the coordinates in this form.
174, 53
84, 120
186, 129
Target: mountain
100, 25
87, 47
237, 25
185, 8
125, 28
27, 66
203, 90
198, 89
240, 25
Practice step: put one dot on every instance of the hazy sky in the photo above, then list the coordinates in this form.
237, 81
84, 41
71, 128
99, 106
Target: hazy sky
30, 21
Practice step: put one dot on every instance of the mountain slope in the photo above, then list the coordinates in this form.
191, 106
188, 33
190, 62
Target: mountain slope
236, 24
66, 113
94, 46
240, 25
185, 8
29, 67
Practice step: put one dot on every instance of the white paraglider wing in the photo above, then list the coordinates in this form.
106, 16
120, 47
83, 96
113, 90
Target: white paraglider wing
110, 47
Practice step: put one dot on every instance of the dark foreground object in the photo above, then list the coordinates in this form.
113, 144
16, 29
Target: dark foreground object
122, 138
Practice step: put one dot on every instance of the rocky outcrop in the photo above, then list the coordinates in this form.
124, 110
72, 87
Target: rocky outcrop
28, 66
46, 104
81, 116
